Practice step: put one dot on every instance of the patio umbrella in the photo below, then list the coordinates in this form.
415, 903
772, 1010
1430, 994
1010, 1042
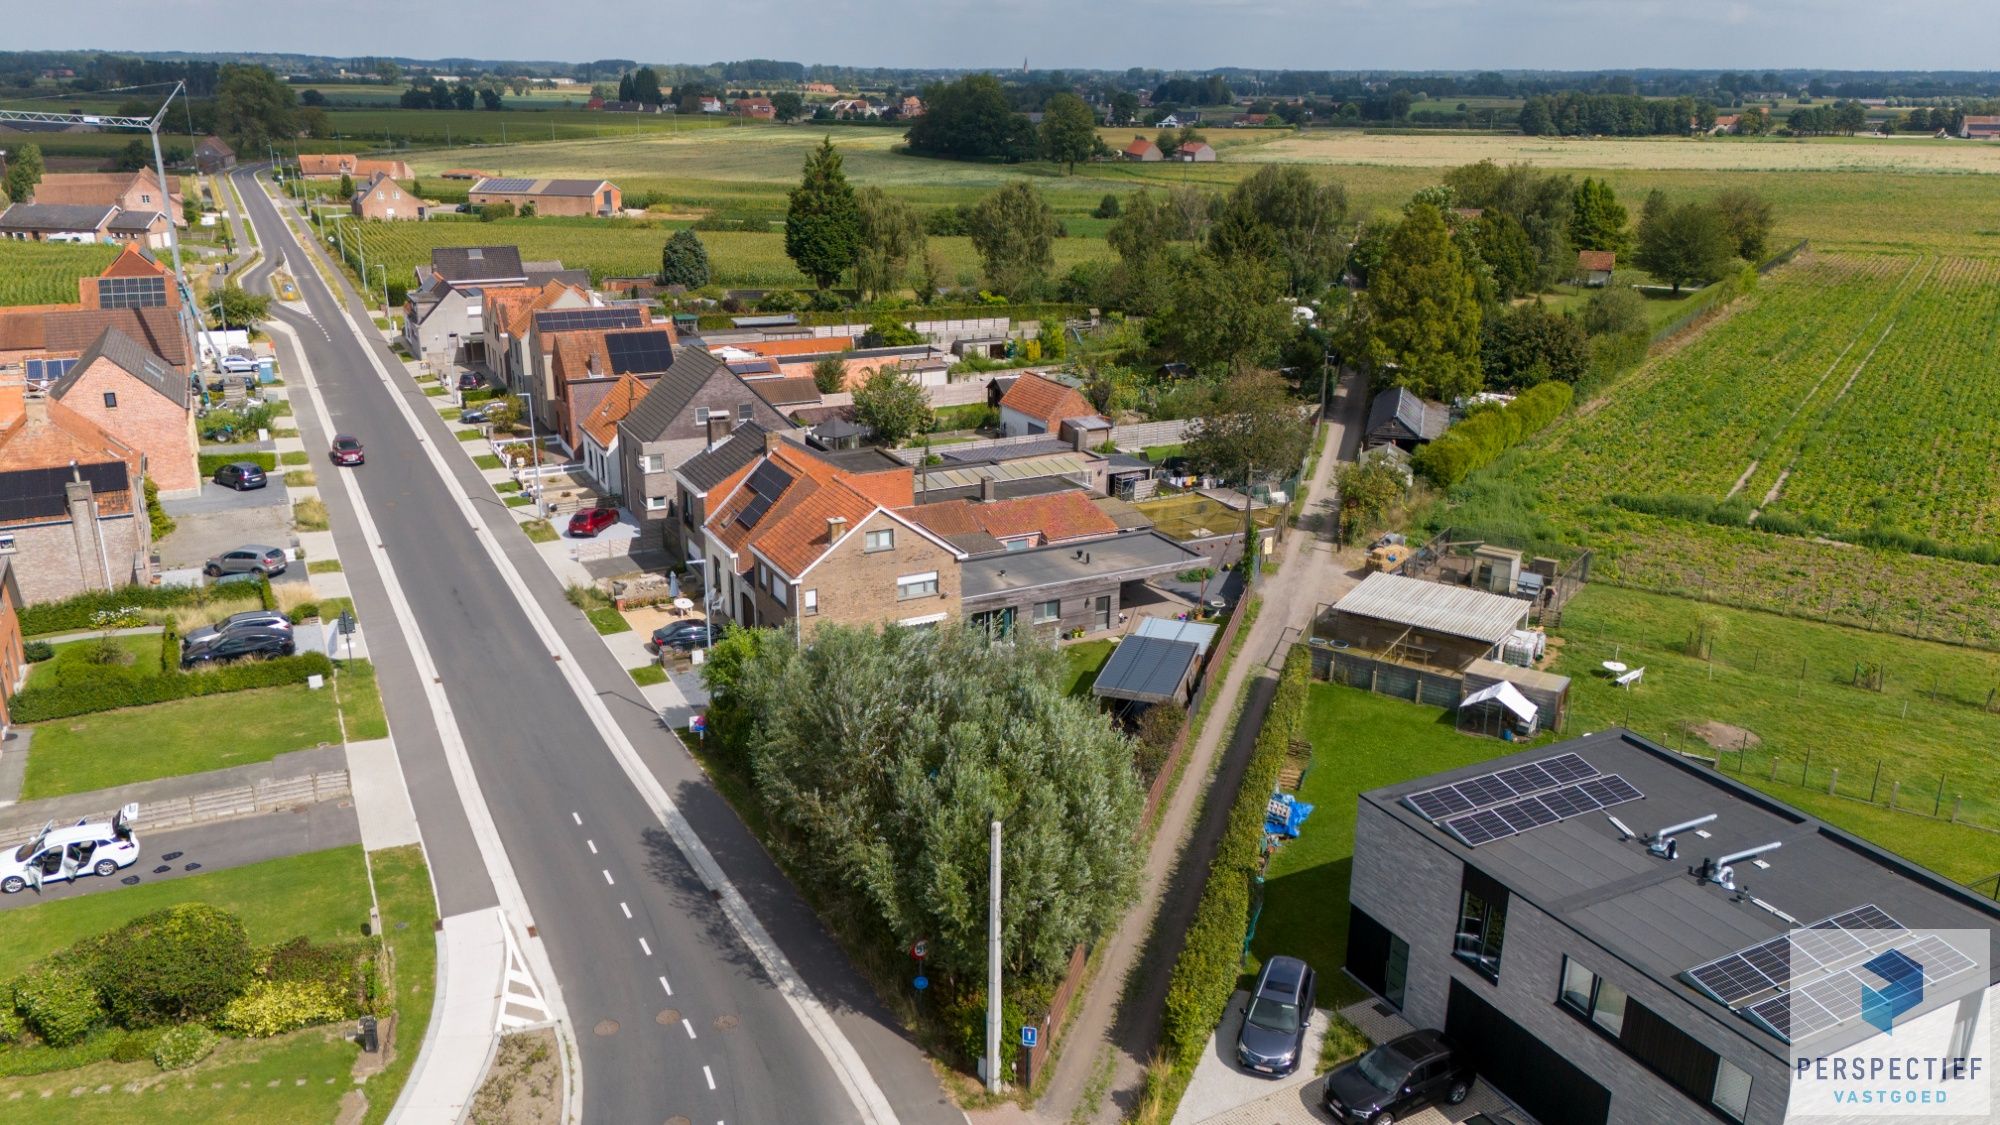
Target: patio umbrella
673, 584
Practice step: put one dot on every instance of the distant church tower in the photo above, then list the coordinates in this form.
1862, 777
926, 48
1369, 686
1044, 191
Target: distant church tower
1024, 64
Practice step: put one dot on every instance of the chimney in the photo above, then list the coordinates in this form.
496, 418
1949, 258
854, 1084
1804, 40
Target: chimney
836, 526
1080, 439
35, 405
772, 440
987, 491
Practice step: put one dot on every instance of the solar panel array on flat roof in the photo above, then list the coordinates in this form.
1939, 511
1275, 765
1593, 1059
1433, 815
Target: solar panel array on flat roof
1830, 943
131, 292
511, 183
1499, 787
639, 352
613, 316
1515, 817
1831, 1001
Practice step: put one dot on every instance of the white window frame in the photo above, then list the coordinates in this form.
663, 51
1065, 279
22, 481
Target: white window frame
925, 585
778, 587
809, 603
656, 503
870, 546
652, 462
701, 415
7, 545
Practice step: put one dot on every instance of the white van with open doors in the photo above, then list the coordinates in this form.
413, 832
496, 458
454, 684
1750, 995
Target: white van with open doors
83, 848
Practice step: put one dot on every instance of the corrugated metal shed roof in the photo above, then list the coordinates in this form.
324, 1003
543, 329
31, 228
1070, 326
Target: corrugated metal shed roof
1146, 669
1454, 610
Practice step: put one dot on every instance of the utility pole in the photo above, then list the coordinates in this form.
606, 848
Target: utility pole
993, 964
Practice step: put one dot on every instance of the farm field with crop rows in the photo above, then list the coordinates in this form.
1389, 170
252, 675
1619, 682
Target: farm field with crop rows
1851, 403
45, 273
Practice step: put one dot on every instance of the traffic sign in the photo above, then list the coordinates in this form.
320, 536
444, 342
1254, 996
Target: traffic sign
922, 982
698, 724
921, 949
1029, 1034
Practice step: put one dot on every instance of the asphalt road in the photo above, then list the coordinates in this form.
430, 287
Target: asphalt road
201, 848
723, 1045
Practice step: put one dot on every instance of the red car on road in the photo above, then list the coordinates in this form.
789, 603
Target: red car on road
587, 523
347, 450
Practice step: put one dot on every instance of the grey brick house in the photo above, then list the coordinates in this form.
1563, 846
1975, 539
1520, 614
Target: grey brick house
695, 405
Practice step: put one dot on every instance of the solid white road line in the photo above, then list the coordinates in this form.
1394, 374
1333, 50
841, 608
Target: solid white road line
862, 1089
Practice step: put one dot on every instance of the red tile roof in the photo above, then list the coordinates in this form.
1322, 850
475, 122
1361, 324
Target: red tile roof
133, 262
1051, 518
1140, 146
1046, 400
793, 533
807, 345
1590, 261
602, 425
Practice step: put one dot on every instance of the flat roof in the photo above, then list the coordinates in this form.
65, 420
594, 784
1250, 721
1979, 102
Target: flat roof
1459, 611
1652, 913
1122, 557
1146, 669
1201, 634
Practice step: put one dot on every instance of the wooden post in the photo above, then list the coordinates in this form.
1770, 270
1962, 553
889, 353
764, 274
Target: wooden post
1774, 767
1894, 788
1957, 803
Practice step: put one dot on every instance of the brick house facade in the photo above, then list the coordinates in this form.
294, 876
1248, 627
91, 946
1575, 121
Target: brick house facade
13, 664
383, 199
80, 523
698, 402
143, 401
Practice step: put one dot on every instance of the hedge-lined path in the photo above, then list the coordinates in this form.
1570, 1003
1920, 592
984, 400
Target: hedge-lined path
1310, 572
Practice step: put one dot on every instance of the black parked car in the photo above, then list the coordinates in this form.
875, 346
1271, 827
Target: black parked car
241, 475
1274, 1025
1397, 1079
681, 635
270, 619
225, 647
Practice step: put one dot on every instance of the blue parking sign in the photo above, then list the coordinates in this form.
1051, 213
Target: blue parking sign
1030, 1034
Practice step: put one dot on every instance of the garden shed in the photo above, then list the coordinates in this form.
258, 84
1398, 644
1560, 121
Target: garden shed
1146, 669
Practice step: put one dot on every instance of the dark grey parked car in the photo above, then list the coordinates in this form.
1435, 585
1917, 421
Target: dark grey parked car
1274, 1025
241, 476
238, 622
251, 558
225, 647
1397, 1079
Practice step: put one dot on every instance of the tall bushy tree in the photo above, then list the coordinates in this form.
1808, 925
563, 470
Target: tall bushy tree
254, 107
1284, 215
891, 237
1221, 317
882, 756
1527, 344
24, 171
1014, 230
1417, 323
971, 119
1747, 216
1685, 243
646, 86
892, 406
1505, 249
1597, 219
684, 261
1252, 431
1069, 131
823, 221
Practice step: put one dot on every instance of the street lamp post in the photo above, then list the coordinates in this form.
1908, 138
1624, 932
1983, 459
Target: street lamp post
385, 286
534, 441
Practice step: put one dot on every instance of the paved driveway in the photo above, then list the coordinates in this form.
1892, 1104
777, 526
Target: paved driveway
1219, 1084
218, 498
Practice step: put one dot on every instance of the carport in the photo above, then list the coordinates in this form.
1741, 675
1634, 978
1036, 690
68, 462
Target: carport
1149, 670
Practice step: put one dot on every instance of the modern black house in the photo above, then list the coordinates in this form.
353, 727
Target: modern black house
1619, 934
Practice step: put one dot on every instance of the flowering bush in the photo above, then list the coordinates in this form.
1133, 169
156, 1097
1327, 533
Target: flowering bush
182, 1047
273, 1007
117, 617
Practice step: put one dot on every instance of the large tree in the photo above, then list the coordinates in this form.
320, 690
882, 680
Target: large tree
1686, 243
24, 171
1282, 214
1069, 131
787, 105
1368, 491
881, 758
1597, 219
1014, 230
1747, 216
1220, 317
1253, 431
823, 222
892, 236
1417, 323
971, 119
684, 261
1527, 344
891, 405
646, 86
254, 107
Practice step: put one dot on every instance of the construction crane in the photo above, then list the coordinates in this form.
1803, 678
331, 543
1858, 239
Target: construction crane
191, 324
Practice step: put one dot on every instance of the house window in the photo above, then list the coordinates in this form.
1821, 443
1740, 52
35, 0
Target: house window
110, 400
651, 462
1048, 611
6, 544
1732, 1090
1482, 923
701, 415
883, 540
656, 503
778, 587
744, 412
144, 198
1593, 997
1018, 545
809, 602
916, 586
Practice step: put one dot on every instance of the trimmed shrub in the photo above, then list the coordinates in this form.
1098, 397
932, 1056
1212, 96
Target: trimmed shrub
129, 1049
184, 1046
34, 652
11, 1026
183, 963
58, 1004
40, 1058
275, 1007
343, 967
213, 461
41, 704
1480, 439
1205, 974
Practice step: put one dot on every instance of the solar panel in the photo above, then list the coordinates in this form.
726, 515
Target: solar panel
565, 320
1827, 944
769, 481
511, 183
639, 351
1515, 817
1739, 976
753, 511
131, 292
1499, 787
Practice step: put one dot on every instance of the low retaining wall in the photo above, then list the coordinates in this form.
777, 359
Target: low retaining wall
220, 804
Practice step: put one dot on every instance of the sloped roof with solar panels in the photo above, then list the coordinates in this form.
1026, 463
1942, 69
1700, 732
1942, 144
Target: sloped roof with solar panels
1539, 822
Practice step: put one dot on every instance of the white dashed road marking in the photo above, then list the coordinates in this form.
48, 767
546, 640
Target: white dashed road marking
626, 909
646, 949
710, 1075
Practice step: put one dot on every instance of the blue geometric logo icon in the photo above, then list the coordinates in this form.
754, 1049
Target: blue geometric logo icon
1905, 990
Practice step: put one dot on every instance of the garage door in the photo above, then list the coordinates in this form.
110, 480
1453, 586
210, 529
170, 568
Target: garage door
1551, 1088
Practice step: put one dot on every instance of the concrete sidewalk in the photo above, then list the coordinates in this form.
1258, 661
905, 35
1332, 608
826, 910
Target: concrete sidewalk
485, 989
381, 799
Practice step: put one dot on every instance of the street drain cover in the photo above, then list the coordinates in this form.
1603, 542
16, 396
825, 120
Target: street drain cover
725, 1023
606, 1027
668, 1017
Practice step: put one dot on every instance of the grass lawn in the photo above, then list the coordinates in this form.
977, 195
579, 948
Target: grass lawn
1086, 660
608, 620
184, 736
646, 675
487, 460
1360, 742
1159, 453
321, 895
72, 658
539, 531
323, 566
409, 914
1755, 685
296, 1077
294, 457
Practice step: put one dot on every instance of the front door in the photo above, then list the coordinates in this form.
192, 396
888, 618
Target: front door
1100, 612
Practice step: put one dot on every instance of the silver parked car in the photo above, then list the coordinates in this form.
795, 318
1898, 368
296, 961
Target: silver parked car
251, 558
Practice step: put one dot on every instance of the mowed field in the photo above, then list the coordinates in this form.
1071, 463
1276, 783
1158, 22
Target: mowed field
45, 273
1852, 394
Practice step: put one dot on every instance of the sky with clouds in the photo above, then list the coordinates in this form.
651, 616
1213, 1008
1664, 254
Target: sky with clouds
1172, 34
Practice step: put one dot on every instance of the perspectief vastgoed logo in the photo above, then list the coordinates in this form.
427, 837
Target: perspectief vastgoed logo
1903, 1031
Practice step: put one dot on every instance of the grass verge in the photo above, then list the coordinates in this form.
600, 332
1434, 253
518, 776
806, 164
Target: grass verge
294, 457
539, 531
487, 460
608, 620
409, 916
300, 478
646, 675
323, 566
310, 514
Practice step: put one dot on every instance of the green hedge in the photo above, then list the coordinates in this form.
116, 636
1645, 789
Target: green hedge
39, 705
73, 614
1204, 976
908, 313
213, 461
1481, 439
